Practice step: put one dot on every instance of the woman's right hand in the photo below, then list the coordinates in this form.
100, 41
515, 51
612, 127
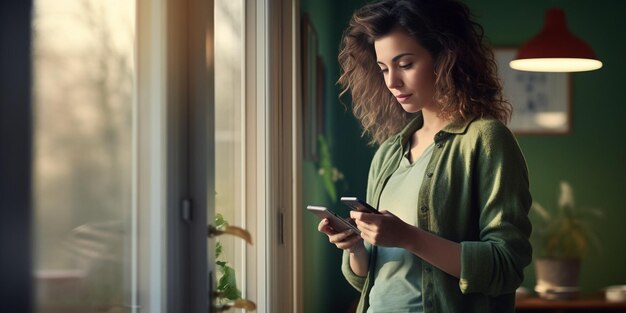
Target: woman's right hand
346, 240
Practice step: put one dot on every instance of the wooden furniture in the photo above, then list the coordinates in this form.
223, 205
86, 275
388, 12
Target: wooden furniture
590, 304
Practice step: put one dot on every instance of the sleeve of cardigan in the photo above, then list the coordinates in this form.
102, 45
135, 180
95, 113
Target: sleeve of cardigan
494, 264
358, 282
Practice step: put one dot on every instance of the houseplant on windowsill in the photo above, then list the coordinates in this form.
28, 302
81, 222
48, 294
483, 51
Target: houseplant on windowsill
561, 240
227, 294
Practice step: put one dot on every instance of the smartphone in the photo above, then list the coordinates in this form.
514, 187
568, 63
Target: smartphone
336, 222
359, 205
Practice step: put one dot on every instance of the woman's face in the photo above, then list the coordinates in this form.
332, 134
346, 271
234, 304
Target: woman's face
408, 70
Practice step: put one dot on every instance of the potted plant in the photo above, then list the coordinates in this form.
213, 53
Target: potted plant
561, 239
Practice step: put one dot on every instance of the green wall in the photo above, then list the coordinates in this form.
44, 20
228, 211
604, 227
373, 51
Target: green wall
591, 158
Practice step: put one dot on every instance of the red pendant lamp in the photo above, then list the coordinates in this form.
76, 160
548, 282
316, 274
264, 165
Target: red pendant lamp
555, 49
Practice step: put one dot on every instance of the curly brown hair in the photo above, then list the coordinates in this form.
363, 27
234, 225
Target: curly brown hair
466, 73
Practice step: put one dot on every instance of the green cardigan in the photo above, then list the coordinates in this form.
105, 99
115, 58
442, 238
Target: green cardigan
475, 192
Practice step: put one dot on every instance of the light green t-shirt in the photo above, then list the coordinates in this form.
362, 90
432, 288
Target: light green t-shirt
397, 285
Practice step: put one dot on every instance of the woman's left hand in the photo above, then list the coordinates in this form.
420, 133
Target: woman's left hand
385, 229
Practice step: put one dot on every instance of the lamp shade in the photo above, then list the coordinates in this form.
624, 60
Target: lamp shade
555, 49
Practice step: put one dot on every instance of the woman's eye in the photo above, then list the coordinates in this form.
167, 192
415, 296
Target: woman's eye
406, 66
384, 70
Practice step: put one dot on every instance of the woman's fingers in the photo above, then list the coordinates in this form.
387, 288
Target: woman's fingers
322, 224
355, 215
378, 229
365, 227
349, 243
367, 222
365, 217
340, 237
324, 227
343, 240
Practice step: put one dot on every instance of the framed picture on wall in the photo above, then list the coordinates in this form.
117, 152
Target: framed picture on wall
541, 101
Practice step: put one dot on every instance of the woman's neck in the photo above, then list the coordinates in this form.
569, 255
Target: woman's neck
433, 123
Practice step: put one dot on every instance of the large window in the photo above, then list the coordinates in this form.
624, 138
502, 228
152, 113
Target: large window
136, 104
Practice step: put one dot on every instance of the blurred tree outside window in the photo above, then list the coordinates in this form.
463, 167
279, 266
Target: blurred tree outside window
84, 73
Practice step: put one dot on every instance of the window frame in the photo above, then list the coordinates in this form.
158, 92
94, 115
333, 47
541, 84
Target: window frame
173, 157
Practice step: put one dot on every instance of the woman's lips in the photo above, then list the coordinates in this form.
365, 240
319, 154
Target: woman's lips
403, 97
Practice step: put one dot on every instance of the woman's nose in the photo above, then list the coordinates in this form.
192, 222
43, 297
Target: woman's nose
393, 80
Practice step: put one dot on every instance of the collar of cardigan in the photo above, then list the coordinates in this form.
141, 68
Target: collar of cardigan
458, 126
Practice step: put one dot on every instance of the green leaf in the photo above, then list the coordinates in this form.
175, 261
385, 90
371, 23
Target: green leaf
218, 249
228, 284
220, 222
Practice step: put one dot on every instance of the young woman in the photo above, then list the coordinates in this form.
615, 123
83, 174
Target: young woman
448, 177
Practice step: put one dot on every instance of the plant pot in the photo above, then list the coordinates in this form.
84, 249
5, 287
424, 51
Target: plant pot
557, 279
